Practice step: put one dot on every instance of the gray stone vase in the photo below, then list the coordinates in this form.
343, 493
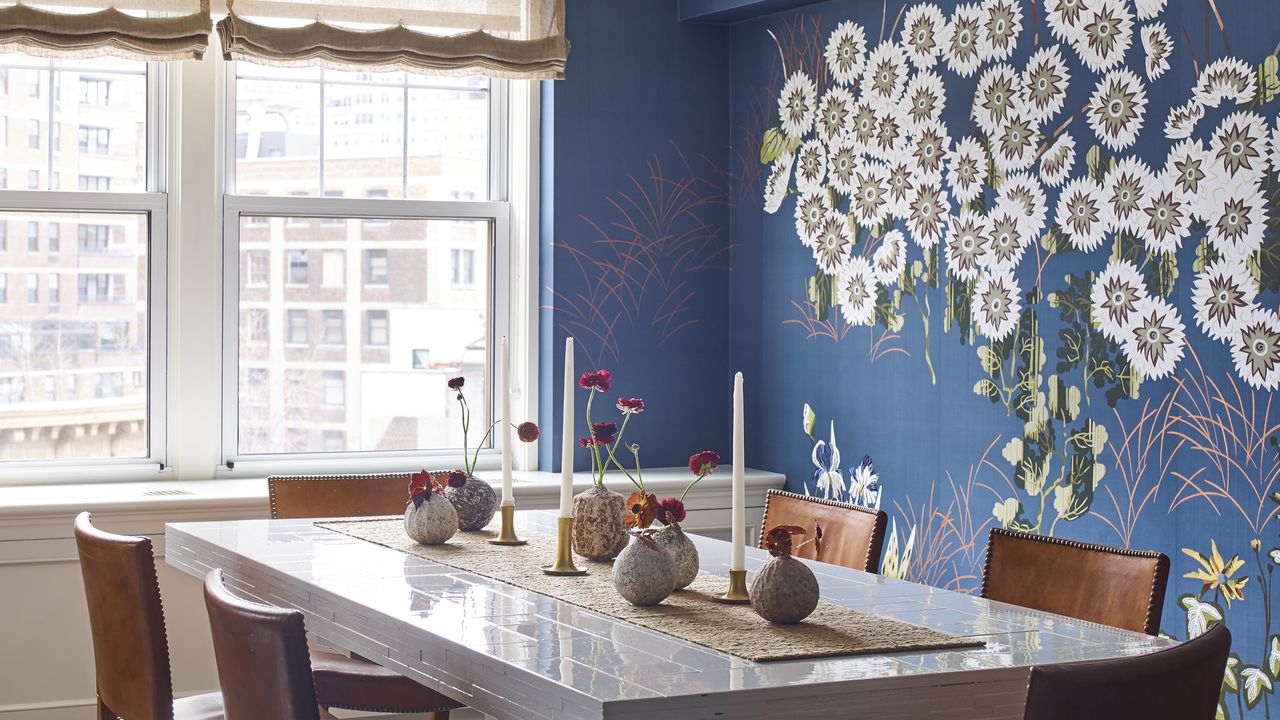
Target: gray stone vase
684, 554
433, 522
643, 573
599, 531
476, 502
784, 591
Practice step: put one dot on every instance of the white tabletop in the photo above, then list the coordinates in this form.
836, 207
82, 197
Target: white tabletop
513, 653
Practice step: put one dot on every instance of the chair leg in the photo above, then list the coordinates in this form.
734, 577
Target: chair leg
442, 715
104, 713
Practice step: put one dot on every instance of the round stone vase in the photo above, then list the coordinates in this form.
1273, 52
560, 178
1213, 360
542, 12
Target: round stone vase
784, 591
475, 501
431, 523
643, 573
599, 532
684, 554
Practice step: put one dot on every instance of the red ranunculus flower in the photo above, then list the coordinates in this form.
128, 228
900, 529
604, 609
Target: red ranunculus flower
704, 463
630, 406
420, 486
457, 383
604, 433
457, 479
527, 431
586, 442
600, 380
671, 511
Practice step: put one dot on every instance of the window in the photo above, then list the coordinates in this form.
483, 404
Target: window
326, 167
4, 178
33, 134
257, 386
335, 327
259, 270
33, 288
33, 236
55, 237
94, 140
4, 287
108, 385
94, 287
51, 282
10, 390
94, 238
95, 91
375, 267
4, 235
463, 263
33, 179
95, 183
258, 332
297, 327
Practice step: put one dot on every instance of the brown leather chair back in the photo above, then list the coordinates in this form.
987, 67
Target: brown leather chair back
312, 496
1111, 586
1181, 683
852, 536
261, 651
130, 651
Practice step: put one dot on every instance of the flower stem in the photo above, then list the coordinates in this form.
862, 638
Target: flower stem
626, 418
466, 429
597, 467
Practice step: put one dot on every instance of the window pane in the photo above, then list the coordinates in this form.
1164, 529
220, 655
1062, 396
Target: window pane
364, 363
449, 144
277, 137
73, 363
364, 140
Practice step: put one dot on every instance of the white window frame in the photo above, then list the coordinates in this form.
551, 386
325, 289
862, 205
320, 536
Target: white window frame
154, 201
512, 293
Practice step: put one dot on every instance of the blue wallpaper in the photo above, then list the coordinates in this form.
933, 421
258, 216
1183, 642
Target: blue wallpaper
1024, 255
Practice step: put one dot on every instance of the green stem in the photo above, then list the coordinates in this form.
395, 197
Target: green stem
466, 429
626, 418
924, 322
689, 487
597, 467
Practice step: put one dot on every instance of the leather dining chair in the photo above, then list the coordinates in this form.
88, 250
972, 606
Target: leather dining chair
262, 657
1180, 683
851, 536
353, 683
126, 622
1107, 585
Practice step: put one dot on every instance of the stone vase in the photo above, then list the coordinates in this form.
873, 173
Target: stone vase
784, 591
476, 502
431, 523
599, 532
684, 554
644, 573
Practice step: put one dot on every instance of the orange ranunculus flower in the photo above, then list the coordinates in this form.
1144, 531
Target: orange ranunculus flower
642, 508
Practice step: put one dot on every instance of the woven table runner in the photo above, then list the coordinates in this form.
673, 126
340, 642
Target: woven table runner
690, 614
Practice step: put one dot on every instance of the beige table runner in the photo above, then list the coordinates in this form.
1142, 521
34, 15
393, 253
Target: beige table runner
690, 614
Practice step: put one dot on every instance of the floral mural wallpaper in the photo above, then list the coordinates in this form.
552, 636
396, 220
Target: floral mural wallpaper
1057, 219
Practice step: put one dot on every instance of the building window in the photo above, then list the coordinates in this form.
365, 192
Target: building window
335, 388
335, 441
4, 235
421, 359
335, 327
108, 385
55, 294
257, 387
33, 179
4, 287
33, 134
299, 272
94, 140
256, 323
33, 288
94, 238
377, 328
375, 267
94, 287
95, 91
10, 390
297, 327
95, 183
463, 263
55, 237
33, 237
259, 267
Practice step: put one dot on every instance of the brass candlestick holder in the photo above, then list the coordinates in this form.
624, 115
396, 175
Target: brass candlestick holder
564, 550
507, 535
737, 593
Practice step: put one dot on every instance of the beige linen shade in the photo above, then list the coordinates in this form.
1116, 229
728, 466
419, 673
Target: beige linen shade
134, 29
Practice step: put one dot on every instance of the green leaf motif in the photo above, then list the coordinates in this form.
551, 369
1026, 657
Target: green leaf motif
1256, 682
773, 145
1273, 657
1230, 675
1268, 80
1200, 615
987, 389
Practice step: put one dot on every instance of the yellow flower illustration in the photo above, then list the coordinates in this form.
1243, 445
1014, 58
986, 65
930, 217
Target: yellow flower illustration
1216, 573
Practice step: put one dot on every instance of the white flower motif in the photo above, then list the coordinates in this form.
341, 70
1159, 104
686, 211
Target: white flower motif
1001, 24
890, 258
1255, 348
1124, 190
885, 75
1058, 160
869, 201
1182, 120
1014, 143
1082, 214
1117, 109
1007, 239
1158, 46
1220, 295
922, 29
926, 98
862, 125
998, 95
997, 302
811, 208
927, 213
1190, 169
1066, 18
1148, 9
929, 150
890, 141
898, 174
1164, 217
966, 169
966, 243
846, 53
1114, 299
1023, 193
841, 165
775, 188
1045, 80
811, 166
1237, 218
960, 40
856, 286
835, 114
1226, 78
1275, 147
1106, 32
796, 105
1239, 148
1156, 339
834, 243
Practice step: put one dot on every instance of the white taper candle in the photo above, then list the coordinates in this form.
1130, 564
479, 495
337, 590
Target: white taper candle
566, 435
739, 481
508, 447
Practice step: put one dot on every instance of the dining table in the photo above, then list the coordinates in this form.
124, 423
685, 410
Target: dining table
515, 654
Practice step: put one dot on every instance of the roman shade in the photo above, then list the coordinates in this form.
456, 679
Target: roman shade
133, 29
497, 38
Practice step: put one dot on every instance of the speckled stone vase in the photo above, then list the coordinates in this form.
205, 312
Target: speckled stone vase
784, 591
644, 573
476, 502
433, 523
684, 554
599, 532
